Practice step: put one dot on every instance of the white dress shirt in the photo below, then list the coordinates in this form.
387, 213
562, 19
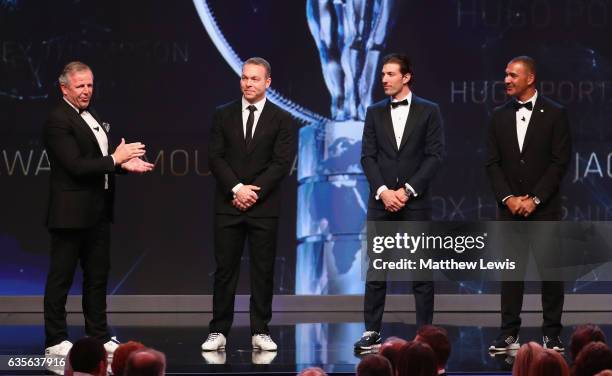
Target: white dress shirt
98, 133
245, 116
399, 116
523, 116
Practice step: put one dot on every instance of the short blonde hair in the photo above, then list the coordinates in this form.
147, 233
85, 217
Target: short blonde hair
70, 68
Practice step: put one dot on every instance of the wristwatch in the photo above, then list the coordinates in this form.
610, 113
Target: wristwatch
536, 200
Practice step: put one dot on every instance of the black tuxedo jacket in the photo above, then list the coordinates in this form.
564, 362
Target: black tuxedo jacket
264, 163
415, 161
538, 169
76, 189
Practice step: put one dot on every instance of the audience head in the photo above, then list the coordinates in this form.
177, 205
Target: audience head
593, 358
437, 339
374, 365
121, 355
583, 335
549, 362
390, 349
524, 358
146, 362
312, 371
67, 366
88, 355
416, 359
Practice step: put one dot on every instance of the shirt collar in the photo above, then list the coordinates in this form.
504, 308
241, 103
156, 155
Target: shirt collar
408, 98
532, 99
71, 105
259, 105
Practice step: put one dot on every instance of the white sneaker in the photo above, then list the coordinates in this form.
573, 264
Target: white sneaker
214, 357
61, 349
263, 342
214, 342
111, 345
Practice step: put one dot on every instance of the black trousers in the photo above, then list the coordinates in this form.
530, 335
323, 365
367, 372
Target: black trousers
231, 231
512, 292
376, 291
90, 247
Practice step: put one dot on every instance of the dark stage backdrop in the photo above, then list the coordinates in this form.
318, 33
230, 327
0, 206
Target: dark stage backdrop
158, 78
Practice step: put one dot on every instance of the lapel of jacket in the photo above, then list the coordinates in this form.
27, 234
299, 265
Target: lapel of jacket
388, 123
414, 114
235, 124
536, 116
81, 125
267, 113
508, 126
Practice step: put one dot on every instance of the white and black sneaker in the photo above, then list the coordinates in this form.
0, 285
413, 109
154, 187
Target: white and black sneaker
264, 342
369, 340
505, 342
214, 342
61, 349
553, 343
111, 345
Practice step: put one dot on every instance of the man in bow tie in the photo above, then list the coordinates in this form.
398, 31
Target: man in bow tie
252, 145
528, 153
402, 149
80, 208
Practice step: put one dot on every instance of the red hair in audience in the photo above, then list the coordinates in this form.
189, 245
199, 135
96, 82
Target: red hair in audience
390, 349
374, 365
524, 358
416, 359
437, 339
549, 362
583, 335
593, 358
122, 353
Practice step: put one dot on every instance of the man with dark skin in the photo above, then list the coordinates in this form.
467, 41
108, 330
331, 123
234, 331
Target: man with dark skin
528, 153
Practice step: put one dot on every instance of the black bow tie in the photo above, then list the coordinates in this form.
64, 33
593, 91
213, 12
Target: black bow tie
81, 110
399, 103
517, 106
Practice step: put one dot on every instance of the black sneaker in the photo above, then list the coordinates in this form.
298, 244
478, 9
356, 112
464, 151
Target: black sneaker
368, 341
553, 343
505, 342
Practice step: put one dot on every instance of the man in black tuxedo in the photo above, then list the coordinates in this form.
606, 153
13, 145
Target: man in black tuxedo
80, 209
529, 151
252, 146
402, 148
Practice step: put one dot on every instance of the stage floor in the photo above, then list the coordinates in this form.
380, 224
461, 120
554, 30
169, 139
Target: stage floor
305, 339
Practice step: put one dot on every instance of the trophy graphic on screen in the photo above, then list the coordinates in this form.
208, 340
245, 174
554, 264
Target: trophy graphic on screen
350, 35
